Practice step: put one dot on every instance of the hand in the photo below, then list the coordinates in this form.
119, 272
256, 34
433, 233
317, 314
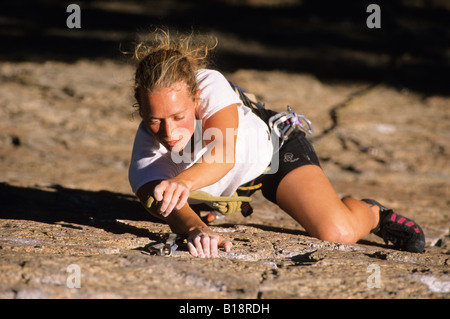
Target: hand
172, 194
203, 242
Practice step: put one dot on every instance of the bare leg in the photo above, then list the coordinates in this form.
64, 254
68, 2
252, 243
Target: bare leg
307, 195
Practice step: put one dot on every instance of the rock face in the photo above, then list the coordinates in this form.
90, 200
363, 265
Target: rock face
71, 228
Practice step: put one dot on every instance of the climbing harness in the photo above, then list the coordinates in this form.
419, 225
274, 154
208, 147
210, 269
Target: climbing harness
250, 188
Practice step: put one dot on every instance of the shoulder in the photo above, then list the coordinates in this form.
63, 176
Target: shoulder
208, 73
207, 77
215, 93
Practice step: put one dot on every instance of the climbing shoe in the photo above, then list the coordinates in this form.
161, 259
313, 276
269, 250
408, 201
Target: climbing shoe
404, 233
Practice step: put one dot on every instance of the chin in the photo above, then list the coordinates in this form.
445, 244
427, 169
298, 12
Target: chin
178, 147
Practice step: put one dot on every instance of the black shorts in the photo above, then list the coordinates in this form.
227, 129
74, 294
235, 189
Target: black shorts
296, 151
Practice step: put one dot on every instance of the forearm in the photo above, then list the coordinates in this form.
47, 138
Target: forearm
181, 220
218, 160
203, 174
202, 241
184, 220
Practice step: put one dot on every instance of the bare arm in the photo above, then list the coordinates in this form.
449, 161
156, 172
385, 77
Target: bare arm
173, 193
220, 137
215, 164
202, 241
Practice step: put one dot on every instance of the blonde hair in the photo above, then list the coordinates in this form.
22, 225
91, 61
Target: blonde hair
167, 60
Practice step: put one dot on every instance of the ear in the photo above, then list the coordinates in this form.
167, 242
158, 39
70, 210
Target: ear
197, 99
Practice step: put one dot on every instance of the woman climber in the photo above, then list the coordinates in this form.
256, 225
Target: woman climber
197, 134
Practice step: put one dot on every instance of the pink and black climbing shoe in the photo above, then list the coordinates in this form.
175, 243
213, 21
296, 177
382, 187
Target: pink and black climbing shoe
404, 233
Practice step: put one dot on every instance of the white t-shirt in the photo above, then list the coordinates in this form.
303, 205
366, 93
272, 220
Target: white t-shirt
151, 161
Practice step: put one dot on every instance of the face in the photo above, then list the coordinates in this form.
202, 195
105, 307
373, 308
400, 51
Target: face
169, 113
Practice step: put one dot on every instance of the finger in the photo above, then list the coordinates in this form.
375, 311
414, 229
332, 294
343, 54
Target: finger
205, 244
167, 199
183, 199
225, 244
175, 199
159, 191
198, 246
192, 249
214, 246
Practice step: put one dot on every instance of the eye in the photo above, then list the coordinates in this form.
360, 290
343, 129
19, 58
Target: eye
154, 122
179, 118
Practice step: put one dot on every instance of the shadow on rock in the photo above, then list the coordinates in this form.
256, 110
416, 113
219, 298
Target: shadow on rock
56, 203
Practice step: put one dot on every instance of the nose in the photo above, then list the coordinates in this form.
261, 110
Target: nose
166, 128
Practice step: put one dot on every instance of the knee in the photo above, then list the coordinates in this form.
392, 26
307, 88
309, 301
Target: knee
340, 233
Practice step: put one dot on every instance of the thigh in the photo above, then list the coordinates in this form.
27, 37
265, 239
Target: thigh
307, 195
